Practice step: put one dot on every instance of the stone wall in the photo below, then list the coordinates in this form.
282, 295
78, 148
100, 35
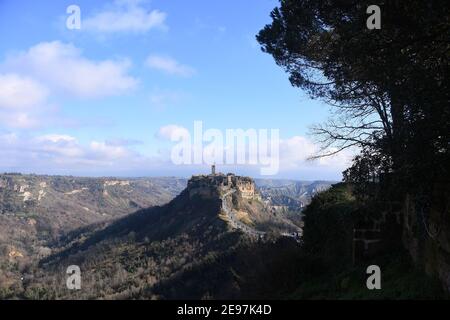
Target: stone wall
246, 187
426, 232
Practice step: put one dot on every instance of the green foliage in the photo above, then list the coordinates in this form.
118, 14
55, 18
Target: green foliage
329, 222
399, 280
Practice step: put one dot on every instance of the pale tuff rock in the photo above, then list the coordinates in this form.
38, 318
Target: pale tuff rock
75, 191
116, 182
41, 194
221, 186
208, 185
243, 216
20, 188
15, 254
26, 196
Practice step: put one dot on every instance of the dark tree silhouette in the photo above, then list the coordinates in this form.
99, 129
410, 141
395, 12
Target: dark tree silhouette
389, 86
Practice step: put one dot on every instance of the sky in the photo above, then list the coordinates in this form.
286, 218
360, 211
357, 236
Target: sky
106, 99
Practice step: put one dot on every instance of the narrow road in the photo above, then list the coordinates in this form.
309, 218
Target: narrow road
235, 223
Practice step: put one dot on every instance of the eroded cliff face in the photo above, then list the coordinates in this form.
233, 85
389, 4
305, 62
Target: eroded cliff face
213, 185
426, 232
242, 206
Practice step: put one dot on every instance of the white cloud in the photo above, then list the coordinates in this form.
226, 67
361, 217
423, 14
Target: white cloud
63, 67
296, 151
169, 66
64, 154
19, 120
56, 138
104, 150
61, 151
125, 16
58, 145
17, 92
68, 146
29, 80
22, 101
294, 154
172, 131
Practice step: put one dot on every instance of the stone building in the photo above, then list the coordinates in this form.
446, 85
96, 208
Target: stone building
209, 185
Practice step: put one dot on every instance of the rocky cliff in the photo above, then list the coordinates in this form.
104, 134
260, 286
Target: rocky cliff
242, 205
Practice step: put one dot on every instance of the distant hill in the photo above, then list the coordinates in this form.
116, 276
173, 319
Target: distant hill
291, 194
145, 254
36, 210
77, 201
132, 228
218, 239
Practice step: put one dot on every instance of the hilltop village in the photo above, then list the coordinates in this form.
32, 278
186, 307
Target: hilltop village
243, 217
209, 185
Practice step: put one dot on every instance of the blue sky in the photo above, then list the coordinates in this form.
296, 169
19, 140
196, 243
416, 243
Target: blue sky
94, 101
